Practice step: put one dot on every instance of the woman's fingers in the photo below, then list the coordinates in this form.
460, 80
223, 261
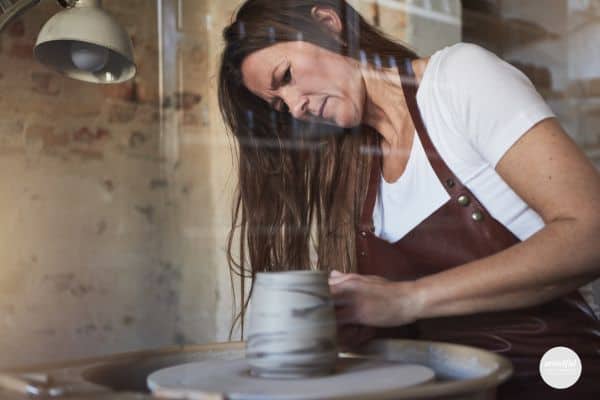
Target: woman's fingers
343, 289
344, 303
346, 292
336, 277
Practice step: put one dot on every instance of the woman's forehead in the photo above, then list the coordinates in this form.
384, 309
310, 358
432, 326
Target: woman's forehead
257, 67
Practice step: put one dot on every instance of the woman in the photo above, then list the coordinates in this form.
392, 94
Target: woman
460, 212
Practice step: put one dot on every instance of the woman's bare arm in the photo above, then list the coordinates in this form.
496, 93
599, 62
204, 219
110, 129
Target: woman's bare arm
551, 175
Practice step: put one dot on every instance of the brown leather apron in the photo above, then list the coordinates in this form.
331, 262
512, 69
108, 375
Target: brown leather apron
461, 231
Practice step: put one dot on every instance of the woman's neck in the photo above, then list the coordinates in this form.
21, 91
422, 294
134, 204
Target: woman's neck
385, 108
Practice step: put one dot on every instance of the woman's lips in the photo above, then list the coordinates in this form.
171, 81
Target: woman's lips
323, 107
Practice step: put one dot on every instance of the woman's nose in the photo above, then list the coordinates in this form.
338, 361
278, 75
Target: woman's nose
297, 105
299, 109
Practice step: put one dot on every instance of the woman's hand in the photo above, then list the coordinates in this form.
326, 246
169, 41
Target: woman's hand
373, 301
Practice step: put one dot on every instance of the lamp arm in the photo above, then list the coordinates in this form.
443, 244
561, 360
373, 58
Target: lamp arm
14, 10
10, 9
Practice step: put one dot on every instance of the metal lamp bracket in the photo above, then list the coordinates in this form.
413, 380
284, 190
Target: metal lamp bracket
11, 9
67, 3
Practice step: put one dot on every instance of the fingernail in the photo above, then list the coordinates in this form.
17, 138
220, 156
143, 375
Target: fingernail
335, 273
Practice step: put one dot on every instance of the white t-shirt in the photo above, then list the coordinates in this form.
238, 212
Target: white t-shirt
475, 107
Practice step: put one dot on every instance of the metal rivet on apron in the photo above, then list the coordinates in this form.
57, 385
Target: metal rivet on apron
363, 253
363, 234
477, 216
464, 200
450, 182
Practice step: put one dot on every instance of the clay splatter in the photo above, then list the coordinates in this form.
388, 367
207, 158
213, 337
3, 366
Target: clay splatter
147, 211
158, 184
137, 139
101, 227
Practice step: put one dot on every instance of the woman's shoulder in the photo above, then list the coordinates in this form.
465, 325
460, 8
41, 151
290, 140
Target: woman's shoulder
450, 65
464, 60
463, 49
487, 100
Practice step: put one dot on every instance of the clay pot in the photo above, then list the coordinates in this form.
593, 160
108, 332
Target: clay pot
291, 326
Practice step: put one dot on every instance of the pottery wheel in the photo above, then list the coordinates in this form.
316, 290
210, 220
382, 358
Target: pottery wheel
354, 377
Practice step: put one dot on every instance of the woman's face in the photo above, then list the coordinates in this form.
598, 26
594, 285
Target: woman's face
310, 82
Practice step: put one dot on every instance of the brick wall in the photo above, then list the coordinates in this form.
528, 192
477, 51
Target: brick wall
106, 236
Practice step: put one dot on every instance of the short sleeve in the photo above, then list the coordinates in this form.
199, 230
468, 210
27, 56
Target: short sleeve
490, 101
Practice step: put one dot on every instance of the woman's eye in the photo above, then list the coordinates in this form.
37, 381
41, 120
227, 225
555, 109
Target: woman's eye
287, 77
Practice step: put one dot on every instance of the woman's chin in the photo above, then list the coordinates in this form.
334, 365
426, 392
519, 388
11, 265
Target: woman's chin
331, 123
341, 121
347, 121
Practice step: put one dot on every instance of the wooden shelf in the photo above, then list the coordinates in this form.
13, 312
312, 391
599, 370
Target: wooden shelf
501, 34
584, 89
550, 94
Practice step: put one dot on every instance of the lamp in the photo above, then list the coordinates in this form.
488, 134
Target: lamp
83, 42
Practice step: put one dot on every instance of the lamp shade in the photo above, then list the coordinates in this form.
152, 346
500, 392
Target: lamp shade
86, 43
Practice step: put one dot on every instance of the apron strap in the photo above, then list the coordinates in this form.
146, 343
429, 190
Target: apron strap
410, 86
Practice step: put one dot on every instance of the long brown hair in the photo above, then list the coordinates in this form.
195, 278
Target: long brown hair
297, 180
